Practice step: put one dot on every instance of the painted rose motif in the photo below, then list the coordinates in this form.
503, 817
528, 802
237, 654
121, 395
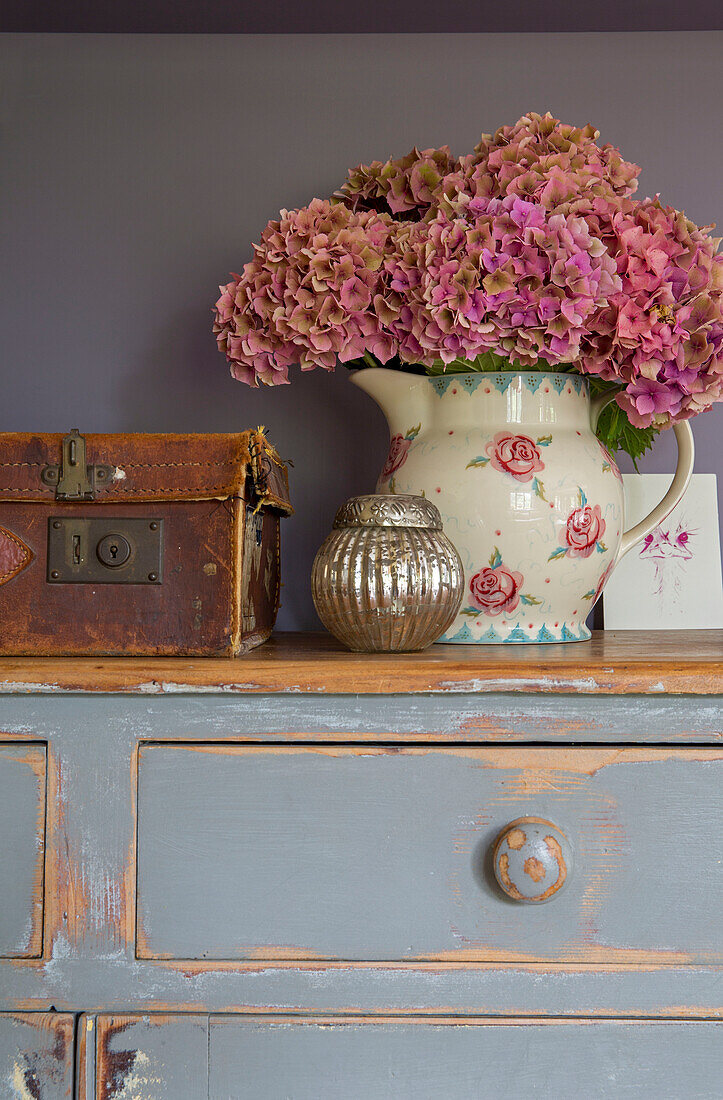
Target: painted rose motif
609, 464
495, 589
583, 532
594, 594
516, 455
584, 527
398, 448
398, 451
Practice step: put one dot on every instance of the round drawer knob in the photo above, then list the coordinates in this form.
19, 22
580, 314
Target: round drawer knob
532, 859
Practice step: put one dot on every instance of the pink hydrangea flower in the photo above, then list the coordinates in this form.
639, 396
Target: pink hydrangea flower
406, 186
507, 278
531, 247
646, 400
661, 335
307, 296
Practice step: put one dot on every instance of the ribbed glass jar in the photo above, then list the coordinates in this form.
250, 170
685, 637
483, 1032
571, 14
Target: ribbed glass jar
387, 578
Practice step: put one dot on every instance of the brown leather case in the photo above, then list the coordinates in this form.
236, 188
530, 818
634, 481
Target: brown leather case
196, 517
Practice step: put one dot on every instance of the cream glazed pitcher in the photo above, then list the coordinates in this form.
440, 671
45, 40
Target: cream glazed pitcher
528, 495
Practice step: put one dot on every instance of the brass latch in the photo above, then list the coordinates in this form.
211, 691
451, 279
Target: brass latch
74, 479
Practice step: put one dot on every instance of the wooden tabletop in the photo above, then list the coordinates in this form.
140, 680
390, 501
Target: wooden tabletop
612, 662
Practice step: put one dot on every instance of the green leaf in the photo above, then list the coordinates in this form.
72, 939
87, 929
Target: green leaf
495, 558
414, 432
581, 496
616, 432
559, 552
601, 547
539, 488
529, 599
469, 611
488, 361
479, 461
544, 440
589, 595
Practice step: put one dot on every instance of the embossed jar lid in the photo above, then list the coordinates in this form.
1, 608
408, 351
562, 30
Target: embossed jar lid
388, 510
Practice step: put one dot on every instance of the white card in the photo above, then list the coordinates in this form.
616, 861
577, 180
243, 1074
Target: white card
671, 580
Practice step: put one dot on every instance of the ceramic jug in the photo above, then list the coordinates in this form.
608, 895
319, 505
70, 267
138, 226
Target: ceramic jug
528, 495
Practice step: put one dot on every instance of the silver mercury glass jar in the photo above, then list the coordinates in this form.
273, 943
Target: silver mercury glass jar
387, 578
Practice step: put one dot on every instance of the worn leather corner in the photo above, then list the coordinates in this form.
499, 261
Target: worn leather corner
14, 555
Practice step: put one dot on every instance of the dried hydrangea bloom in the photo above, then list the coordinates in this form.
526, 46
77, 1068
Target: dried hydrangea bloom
541, 143
539, 158
307, 296
543, 160
405, 187
661, 335
531, 247
507, 278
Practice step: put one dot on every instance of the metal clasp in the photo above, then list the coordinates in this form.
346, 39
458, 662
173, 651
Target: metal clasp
74, 479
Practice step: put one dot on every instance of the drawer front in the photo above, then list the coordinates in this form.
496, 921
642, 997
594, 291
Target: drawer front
36, 1056
247, 1058
22, 848
359, 854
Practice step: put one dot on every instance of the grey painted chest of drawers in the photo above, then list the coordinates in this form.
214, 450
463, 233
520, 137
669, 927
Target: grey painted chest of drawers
273, 877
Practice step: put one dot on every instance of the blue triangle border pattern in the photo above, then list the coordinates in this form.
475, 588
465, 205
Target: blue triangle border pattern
518, 636
532, 381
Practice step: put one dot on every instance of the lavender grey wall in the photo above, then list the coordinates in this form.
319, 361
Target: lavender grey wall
136, 171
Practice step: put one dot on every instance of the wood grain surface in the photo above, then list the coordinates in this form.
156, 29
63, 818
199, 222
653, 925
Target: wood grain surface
36, 1056
155, 1057
617, 662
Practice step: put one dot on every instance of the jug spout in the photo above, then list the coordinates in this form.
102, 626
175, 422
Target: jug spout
403, 398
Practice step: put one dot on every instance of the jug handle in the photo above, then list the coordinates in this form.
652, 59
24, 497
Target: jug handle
681, 478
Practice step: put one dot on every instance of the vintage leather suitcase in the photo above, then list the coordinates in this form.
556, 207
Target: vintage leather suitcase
139, 544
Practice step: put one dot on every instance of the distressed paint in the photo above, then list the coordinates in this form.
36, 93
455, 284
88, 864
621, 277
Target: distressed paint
399, 718
22, 849
85, 1059
385, 854
119, 984
264, 1058
90, 884
532, 860
90, 963
151, 1058
36, 1056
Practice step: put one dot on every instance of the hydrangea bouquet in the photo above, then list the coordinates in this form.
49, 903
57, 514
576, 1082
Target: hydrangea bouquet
529, 253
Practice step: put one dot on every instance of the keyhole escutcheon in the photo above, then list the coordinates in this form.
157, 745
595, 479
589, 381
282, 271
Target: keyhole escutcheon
113, 550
